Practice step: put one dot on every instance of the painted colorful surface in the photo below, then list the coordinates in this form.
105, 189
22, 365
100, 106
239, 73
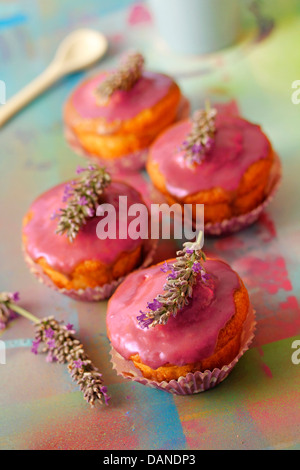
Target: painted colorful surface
258, 405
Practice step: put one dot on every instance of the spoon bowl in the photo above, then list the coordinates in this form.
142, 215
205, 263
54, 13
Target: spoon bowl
80, 49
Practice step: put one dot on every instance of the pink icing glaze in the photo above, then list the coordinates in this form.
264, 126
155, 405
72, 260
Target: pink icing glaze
238, 144
123, 105
59, 252
187, 338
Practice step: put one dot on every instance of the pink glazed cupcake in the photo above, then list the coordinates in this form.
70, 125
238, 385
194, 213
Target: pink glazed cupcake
217, 158
184, 345
61, 237
114, 116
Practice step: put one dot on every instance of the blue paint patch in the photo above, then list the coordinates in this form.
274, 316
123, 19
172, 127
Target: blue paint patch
157, 411
11, 21
18, 343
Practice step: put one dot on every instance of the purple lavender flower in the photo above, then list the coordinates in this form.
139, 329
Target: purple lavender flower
15, 297
144, 321
90, 212
51, 357
35, 345
6, 312
66, 348
197, 268
79, 169
201, 137
69, 327
205, 276
104, 393
82, 197
49, 333
178, 288
13, 315
51, 343
165, 267
197, 148
78, 364
154, 305
173, 274
68, 192
83, 201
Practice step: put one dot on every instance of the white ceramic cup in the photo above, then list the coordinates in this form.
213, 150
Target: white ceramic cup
197, 26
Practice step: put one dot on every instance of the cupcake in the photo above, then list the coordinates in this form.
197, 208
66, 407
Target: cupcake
65, 240
218, 159
180, 325
114, 116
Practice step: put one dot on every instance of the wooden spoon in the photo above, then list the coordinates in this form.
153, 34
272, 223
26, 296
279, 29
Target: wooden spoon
79, 50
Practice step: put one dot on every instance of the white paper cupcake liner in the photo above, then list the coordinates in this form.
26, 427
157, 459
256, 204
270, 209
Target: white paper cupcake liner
90, 294
240, 222
131, 162
193, 382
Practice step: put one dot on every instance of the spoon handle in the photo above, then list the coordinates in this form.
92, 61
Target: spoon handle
27, 94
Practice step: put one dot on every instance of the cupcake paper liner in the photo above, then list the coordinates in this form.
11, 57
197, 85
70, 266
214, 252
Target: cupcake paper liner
193, 382
131, 162
90, 294
245, 220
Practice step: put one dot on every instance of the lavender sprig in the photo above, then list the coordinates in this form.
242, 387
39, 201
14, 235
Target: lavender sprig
6, 313
61, 345
82, 197
201, 137
128, 73
178, 288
